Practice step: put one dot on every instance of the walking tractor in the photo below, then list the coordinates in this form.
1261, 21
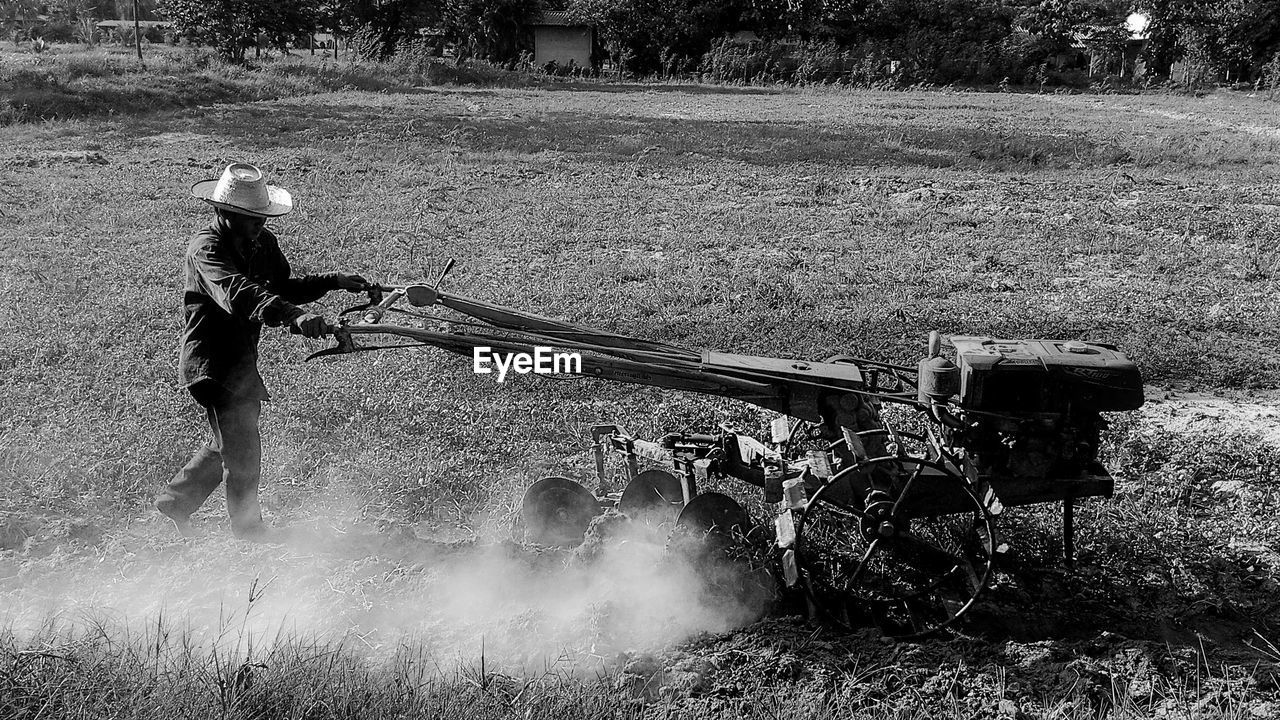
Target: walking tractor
878, 524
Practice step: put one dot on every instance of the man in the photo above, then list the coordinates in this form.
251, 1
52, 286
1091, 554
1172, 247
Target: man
237, 280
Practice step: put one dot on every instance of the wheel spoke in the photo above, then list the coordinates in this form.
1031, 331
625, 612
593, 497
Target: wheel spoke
905, 490
935, 557
862, 564
917, 625
971, 575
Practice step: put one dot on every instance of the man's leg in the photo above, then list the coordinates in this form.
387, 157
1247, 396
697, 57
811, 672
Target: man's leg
202, 474
242, 463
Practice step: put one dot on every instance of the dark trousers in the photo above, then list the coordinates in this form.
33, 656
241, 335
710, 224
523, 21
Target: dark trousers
233, 456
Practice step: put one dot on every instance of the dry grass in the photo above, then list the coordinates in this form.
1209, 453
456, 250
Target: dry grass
105, 670
70, 81
791, 223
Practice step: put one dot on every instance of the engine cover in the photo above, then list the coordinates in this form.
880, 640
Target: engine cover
1037, 376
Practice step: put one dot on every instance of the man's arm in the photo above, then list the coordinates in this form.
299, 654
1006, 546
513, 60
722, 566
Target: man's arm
306, 288
309, 288
235, 293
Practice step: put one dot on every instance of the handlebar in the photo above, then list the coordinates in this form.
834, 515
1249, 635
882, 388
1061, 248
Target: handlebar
329, 329
418, 295
375, 313
381, 298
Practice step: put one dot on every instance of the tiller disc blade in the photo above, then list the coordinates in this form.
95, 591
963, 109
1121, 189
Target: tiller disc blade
654, 497
557, 511
714, 512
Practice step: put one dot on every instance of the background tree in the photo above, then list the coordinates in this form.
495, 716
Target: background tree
1180, 29
1250, 35
1055, 25
87, 14
124, 9
1058, 21
489, 29
621, 29
282, 22
232, 26
78, 17
384, 25
18, 17
650, 36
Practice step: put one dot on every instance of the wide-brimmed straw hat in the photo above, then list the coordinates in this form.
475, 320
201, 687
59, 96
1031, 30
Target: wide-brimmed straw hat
243, 189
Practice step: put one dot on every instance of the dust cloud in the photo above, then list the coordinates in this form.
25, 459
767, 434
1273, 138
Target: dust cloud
526, 609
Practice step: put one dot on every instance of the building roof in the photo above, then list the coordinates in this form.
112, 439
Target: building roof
1083, 37
129, 23
558, 18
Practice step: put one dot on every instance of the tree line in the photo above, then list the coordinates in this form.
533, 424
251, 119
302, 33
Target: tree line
935, 41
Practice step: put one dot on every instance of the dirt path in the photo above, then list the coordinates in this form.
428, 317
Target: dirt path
1260, 130
1248, 413
1191, 118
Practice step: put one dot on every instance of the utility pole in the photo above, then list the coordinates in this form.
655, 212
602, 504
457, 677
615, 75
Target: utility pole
137, 30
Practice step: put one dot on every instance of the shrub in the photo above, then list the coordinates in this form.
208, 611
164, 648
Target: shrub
413, 61
1269, 78
728, 62
806, 63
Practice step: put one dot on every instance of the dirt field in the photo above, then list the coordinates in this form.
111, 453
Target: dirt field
796, 223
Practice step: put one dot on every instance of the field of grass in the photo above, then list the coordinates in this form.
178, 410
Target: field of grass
795, 223
69, 81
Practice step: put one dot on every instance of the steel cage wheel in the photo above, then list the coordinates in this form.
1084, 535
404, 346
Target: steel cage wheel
910, 558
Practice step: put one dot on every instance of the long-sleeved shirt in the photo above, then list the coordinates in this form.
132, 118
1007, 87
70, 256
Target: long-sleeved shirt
229, 295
